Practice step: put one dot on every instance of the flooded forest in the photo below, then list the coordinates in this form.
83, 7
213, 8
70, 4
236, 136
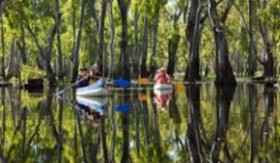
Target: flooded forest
220, 103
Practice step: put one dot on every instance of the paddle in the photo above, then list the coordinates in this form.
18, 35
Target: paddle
118, 82
124, 108
70, 86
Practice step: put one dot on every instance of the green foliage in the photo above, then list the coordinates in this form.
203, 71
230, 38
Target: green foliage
29, 72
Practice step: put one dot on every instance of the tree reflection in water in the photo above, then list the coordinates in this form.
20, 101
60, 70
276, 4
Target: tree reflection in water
222, 125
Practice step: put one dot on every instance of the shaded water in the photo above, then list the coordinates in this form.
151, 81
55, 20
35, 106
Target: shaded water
199, 124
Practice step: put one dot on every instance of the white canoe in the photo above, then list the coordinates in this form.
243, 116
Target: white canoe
97, 103
95, 90
163, 89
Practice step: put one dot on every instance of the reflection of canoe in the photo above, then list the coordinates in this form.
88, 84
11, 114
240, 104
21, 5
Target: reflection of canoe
163, 89
163, 86
96, 89
97, 104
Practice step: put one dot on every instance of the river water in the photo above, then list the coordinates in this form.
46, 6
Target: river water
198, 123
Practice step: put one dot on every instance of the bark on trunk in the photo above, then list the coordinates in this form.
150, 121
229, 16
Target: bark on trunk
11, 64
101, 35
93, 12
112, 44
193, 133
173, 44
268, 60
60, 69
124, 65
223, 69
155, 40
22, 45
252, 60
223, 100
144, 50
135, 56
2, 49
192, 71
78, 43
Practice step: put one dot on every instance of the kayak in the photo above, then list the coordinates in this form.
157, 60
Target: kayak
95, 90
163, 89
97, 103
159, 86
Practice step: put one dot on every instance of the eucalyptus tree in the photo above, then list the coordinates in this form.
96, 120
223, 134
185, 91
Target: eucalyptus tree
252, 58
124, 57
75, 53
101, 35
223, 69
266, 23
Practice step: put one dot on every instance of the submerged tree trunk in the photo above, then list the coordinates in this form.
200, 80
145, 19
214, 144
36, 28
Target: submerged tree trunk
22, 45
223, 69
78, 43
268, 60
192, 69
2, 62
135, 56
124, 68
194, 141
152, 67
252, 60
11, 64
223, 101
144, 49
173, 45
112, 44
101, 36
60, 70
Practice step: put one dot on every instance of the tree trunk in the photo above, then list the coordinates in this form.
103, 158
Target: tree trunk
112, 44
173, 44
11, 64
223, 69
124, 65
268, 60
78, 43
2, 62
194, 121
223, 100
22, 46
144, 50
60, 70
192, 69
101, 35
155, 40
93, 12
252, 60
135, 56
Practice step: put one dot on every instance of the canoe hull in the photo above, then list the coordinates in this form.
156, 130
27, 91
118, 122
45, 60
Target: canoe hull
94, 90
163, 89
97, 92
97, 103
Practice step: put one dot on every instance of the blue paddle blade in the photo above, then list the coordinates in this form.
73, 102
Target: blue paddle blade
122, 83
123, 108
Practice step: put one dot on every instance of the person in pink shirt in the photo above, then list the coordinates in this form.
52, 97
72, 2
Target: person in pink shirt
162, 77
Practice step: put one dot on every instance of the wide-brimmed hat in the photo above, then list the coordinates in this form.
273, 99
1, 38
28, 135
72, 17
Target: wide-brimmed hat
161, 69
95, 67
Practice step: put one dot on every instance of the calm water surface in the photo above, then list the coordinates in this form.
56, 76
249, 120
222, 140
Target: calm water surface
201, 123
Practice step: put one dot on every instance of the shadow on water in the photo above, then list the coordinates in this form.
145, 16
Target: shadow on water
203, 124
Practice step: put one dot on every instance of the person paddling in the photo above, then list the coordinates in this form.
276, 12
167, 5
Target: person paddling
95, 73
83, 74
162, 77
